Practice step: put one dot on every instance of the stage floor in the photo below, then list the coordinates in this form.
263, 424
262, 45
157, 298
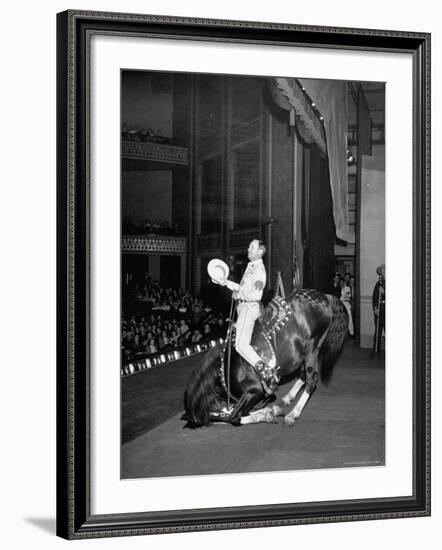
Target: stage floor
343, 425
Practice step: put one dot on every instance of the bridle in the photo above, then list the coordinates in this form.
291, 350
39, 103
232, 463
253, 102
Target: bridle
225, 373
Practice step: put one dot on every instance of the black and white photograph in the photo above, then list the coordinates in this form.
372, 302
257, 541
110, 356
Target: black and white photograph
222, 265
253, 274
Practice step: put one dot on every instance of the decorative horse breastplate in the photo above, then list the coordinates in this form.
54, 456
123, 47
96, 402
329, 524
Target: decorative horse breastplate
277, 314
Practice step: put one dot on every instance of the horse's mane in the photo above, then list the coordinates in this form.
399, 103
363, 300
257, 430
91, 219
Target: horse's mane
203, 391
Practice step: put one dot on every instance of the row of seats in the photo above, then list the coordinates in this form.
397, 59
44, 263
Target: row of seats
158, 359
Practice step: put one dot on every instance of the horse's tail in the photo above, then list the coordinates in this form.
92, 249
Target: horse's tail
332, 346
203, 390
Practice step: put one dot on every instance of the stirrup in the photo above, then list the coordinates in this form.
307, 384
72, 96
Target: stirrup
269, 376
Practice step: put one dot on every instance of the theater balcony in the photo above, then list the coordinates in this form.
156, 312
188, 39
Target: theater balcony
162, 256
145, 155
153, 244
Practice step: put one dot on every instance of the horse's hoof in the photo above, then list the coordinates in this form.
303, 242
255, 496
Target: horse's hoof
277, 410
286, 400
270, 418
289, 420
235, 420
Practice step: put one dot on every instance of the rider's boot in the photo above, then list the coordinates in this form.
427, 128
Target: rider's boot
269, 376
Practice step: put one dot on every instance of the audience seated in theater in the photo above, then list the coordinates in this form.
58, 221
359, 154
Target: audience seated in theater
165, 319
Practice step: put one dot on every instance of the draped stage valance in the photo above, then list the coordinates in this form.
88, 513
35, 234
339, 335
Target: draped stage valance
310, 100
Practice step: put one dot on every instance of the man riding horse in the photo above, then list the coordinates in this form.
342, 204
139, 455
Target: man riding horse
298, 338
248, 294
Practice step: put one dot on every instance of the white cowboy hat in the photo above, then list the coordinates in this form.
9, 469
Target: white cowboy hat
218, 270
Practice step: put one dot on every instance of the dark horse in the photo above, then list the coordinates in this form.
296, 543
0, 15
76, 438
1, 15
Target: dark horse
305, 346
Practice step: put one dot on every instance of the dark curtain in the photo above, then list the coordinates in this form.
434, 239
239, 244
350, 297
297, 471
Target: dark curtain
330, 97
319, 254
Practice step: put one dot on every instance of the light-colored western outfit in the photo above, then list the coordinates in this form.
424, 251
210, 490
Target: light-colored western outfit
249, 291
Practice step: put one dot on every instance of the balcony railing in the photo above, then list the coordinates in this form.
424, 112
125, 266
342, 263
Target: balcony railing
154, 152
153, 244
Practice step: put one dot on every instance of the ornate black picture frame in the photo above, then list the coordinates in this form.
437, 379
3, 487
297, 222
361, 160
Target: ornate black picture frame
74, 518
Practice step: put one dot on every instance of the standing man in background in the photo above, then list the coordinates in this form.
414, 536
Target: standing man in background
378, 301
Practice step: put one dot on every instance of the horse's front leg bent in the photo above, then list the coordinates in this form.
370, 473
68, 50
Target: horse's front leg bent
262, 415
244, 405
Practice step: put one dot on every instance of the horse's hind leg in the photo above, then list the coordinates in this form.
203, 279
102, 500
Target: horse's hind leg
294, 390
298, 359
312, 376
295, 413
277, 409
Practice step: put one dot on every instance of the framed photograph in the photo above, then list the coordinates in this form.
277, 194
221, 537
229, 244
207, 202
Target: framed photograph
243, 274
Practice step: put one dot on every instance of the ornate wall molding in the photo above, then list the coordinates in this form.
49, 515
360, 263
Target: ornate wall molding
153, 244
156, 152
